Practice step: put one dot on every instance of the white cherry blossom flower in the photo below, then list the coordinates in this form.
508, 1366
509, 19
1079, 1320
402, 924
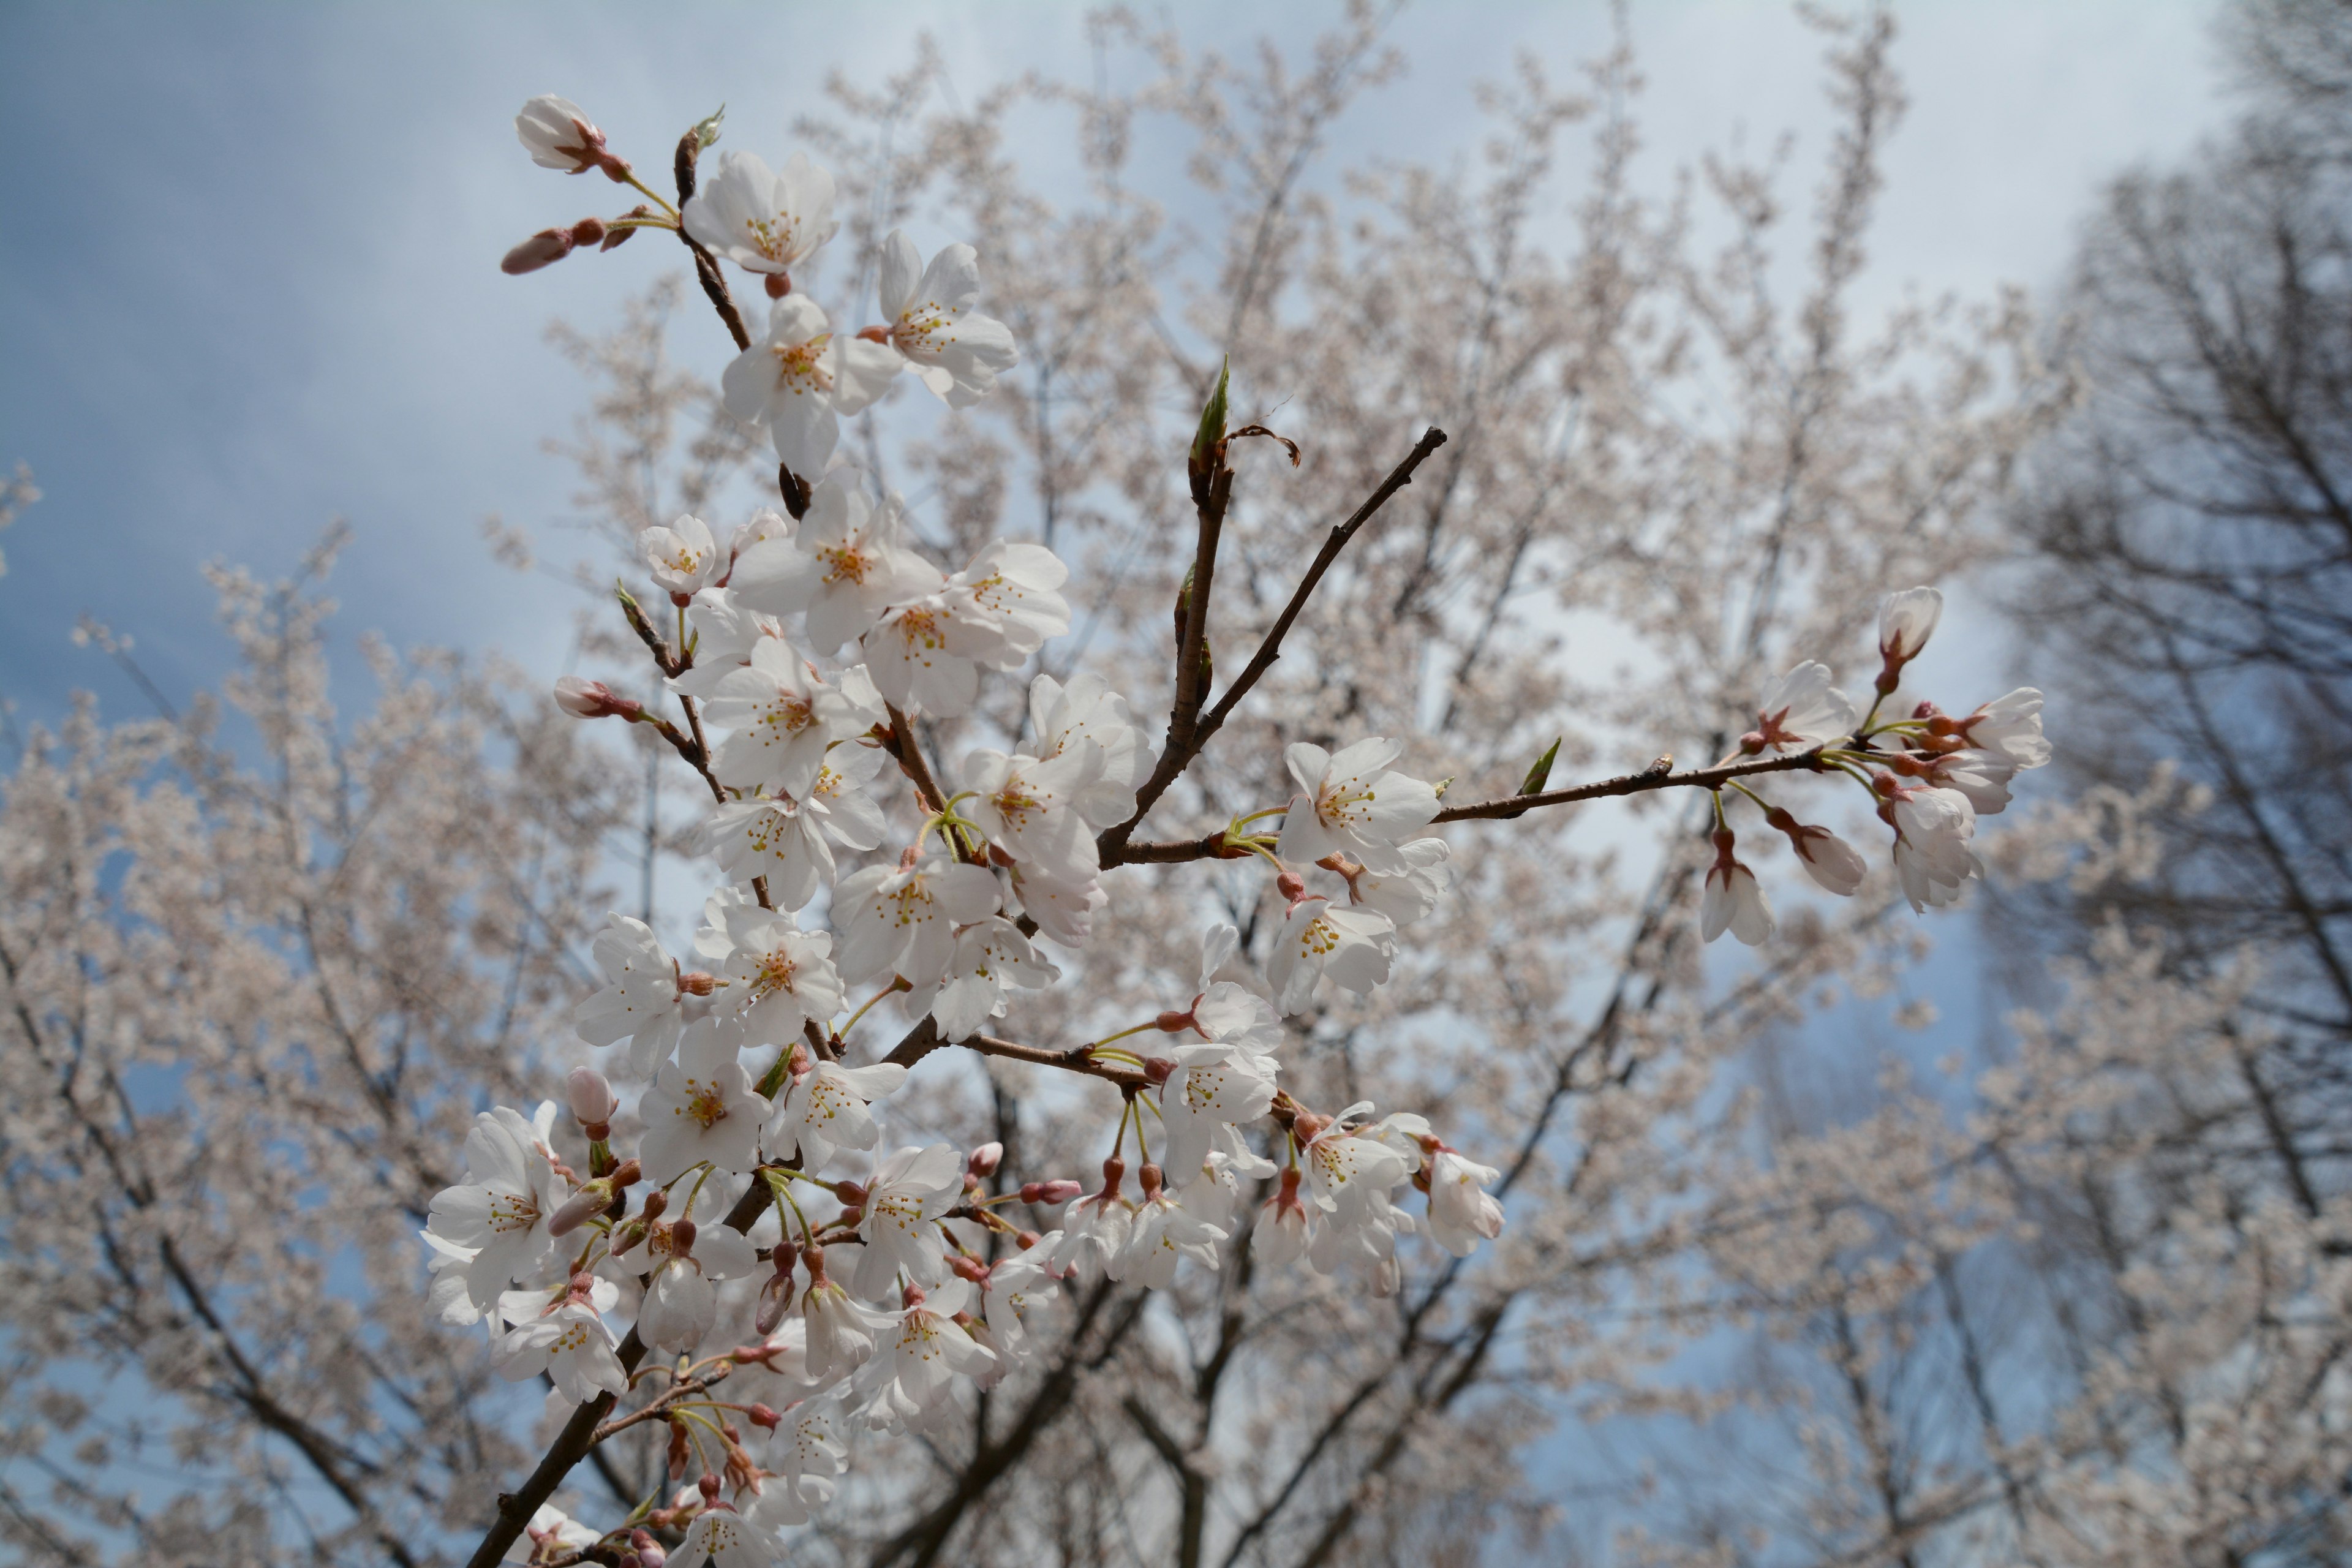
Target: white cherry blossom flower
783, 719
1407, 895
926, 1352
701, 1107
1462, 1213
1283, 1232
1017, 1285
847, 564
682, 1302
805, 1454
762, 220
2010, 725
800, 379
789, 841
1733, 899
990, 955
1834, 865
1981, 775
925, 655
1905, 622
1198, 1099
447, 1298
571, 1345
1932, 856
826, 1112
1162, 1233
1028, 807
725, 1539
502, 1211
644, 1000
1353, 947
902, 920
1095, 1230
1354, 806
841, 1329
780, 975
1012, 589
558, 134
1064, 910
550, 1533
682, 556
1348, 1166
723, 632
955, 351
1089, 709
908, 1193
1800, 710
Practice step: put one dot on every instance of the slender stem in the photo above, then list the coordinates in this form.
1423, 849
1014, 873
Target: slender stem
1112, 842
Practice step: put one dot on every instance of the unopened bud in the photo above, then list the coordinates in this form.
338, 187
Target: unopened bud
698, 982
1157, 1070
594, 699
591, 1097
580, 1208
762, 1417
985, 1158
1049, 1194
965, 1267
628, 1174
656, 1202
649, 1550
912, 1295
545, 248
588, 231
1027, 1239
614, 236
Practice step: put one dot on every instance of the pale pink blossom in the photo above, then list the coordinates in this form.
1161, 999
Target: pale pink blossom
766, 221
1355, 804
826, 1112
955, 351
847, 564
902, 920
990, 956
782, 719
908, 1193
1353, 947
701, 1107
1733, 899
558, 134
1800, 710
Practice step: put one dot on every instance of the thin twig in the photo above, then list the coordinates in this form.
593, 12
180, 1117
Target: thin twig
1112, 843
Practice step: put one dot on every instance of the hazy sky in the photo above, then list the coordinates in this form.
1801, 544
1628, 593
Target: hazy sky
248, 282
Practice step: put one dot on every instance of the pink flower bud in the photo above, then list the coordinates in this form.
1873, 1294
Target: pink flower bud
588, 231
767, 1420
627, 1173
1049, 1194
594, 699
649, 1550
592, 1099
985, 1158
1027, 1239
698, 982
545, 248
851, 1194
580, 1208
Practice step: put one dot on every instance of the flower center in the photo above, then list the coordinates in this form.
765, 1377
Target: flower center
706, 1104
799, 366
772, 237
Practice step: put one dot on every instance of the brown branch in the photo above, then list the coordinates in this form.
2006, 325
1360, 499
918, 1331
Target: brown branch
706, 266
1112, 843
1657, 775
580, 1432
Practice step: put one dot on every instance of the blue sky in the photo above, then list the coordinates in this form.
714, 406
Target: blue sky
248, 283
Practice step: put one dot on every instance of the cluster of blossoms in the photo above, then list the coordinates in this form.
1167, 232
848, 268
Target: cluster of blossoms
1930, 776
889, 1278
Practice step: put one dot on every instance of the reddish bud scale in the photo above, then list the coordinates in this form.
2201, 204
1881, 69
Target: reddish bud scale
1158, 1069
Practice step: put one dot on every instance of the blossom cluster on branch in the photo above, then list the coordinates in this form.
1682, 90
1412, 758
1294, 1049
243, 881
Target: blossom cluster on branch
803, 655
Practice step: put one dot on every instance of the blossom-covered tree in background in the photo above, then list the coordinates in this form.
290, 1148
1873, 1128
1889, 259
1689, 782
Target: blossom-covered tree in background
1130, 1094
